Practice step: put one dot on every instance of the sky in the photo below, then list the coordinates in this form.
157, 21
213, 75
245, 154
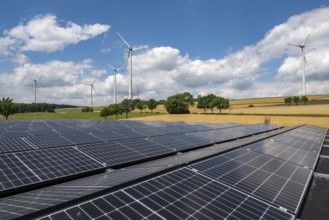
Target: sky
232, 48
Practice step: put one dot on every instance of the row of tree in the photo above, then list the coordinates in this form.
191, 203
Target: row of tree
126, 106
212, 101
295, 100
180, 103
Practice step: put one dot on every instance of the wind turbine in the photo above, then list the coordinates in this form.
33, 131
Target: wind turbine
91, 92
36, 87
130, 56
302, 46
115, 81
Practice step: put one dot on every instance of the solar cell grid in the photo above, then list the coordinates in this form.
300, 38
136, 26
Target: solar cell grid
13, 144
48, 141
108, 135
54, 163
127, 133
81, 138
13, 173
145, 146
300, 142
276, 181
112, 153
181, 194
286, 152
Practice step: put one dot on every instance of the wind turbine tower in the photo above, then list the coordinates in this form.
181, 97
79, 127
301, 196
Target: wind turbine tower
302, 46
115, 82
130, 57
36, 87
91, 92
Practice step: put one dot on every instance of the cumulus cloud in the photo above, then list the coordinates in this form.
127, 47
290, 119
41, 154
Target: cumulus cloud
44, 33
236, 75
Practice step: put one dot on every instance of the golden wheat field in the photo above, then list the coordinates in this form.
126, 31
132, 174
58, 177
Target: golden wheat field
266, 106
243, 119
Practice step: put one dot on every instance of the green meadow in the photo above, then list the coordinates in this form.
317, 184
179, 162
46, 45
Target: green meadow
73, 113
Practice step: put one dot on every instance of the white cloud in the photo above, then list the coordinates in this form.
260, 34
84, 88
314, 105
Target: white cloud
44, 33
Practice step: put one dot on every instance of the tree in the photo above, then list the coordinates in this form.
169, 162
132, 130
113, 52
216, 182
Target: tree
141, 105
296, 99
115, 109
220, 103
288, 100
304, 99
104, 113
152, 104
202, 104
7, 107
179, 104
127, 106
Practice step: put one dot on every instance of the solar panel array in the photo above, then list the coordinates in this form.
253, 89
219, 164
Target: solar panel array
267, 179
41, 151
181, 194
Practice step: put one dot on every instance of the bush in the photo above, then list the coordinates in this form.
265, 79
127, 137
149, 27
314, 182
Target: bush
251, 106
87, 109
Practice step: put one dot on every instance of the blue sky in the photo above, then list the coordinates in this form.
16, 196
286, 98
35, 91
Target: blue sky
236, 49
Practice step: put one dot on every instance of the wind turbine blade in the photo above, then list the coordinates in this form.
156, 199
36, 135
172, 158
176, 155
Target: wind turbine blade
93, 83
294, 45
124, 40
93, 88
303, 44
141, 48
125, 63
111, 66
41, 77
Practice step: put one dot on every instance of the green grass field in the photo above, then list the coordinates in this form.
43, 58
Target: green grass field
72, 113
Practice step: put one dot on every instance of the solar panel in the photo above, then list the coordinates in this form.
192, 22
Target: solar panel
286, 152
80, 138
48, 141
145, 147
13, 173
13, 144
215, 136
54, 163
112, 153
108, 135
181, 194
273, 180
300, 142
129, 133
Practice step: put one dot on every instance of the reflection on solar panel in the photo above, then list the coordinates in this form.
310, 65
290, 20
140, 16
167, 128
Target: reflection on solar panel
182, 194
299, 141
286, 152
112, 153
13, 144
273, 180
